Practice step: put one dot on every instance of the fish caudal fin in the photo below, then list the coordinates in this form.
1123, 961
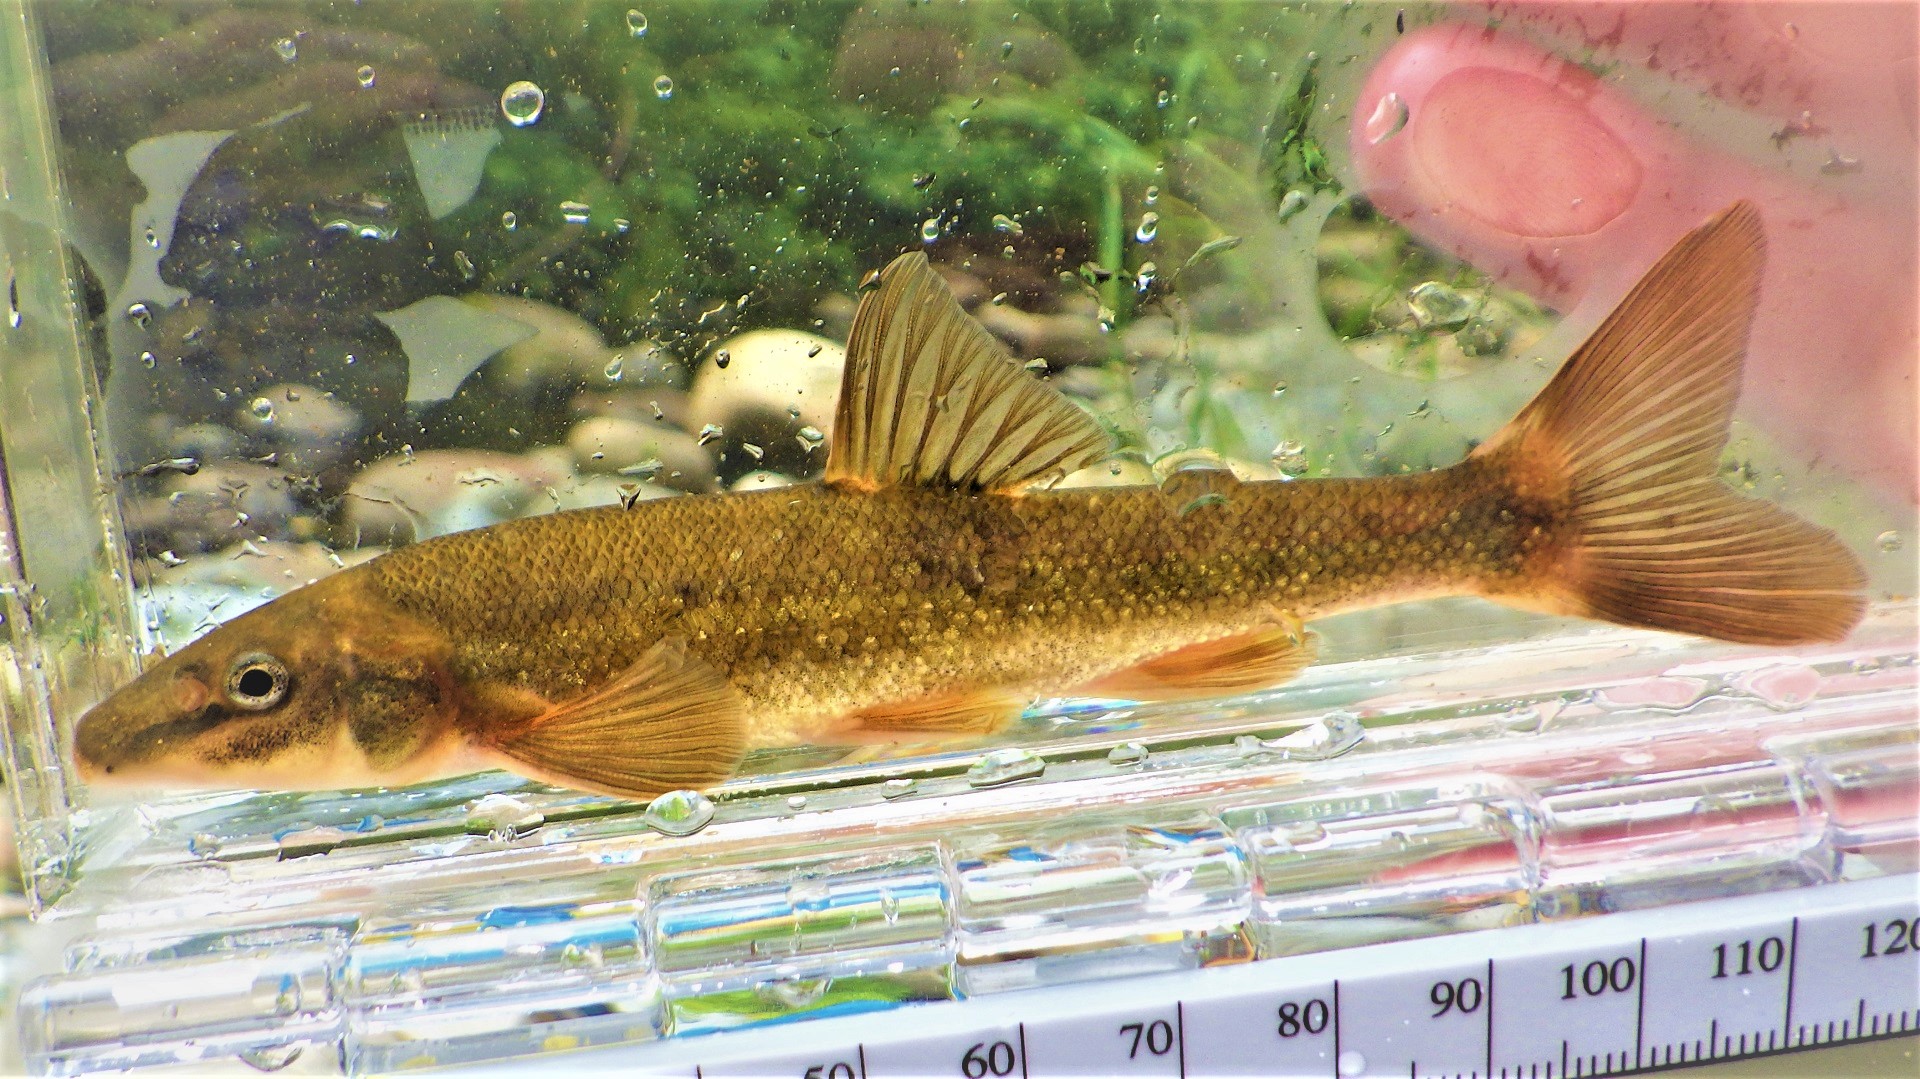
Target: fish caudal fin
668, 722
1627, 439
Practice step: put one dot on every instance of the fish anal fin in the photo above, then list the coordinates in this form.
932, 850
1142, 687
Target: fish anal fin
960, 714
668, 722
930, 398
1247, 661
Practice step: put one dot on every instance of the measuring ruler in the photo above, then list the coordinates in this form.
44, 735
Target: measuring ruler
1625, 992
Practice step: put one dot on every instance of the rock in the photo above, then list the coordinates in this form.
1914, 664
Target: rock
588, 492
306, 429
640, 451
414, 496
201, 441
224, 502
776, 384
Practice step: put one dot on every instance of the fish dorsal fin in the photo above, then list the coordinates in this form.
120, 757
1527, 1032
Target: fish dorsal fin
668, 722
930, 398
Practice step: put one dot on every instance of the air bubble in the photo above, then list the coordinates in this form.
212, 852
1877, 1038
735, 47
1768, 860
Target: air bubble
930, 230
575, 213
1389, 116
678, 813
1291, 203
522, 102
509, 221
365, 75
1888, 541
1148, 228
636, 22
710, 432
1152, 196
615, 367
148, 360
1438, 306
721, 358
1127, 754
262, 409
287, 49
1144, 277
896, 788
663, 87
1005, 766
141, 315
1163, 99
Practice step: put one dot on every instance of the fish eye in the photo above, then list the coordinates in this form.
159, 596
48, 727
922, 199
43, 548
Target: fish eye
256, 682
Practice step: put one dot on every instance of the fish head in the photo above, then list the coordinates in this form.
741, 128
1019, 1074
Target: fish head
322, 688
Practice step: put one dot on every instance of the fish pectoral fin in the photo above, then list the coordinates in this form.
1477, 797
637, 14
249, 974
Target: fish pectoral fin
930, 398
966, 713
668, 722
1257, 660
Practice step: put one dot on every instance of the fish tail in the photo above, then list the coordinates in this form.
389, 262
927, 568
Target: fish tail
1625, 442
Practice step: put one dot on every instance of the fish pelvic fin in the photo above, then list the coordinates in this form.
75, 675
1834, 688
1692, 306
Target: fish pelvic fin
668, 722
963, 713
1627, 438
930, 398
1265, 657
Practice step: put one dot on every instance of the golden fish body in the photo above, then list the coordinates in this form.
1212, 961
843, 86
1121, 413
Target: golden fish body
926, 588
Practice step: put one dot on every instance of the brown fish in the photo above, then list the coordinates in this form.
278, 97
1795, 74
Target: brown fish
932, 586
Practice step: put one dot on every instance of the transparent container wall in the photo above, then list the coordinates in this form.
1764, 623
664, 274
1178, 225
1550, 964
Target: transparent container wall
294, 284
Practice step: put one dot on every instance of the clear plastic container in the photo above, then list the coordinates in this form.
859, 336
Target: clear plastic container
289, 285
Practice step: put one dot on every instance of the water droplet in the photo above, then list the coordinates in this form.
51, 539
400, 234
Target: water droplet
1127, 754
1289, 456
896, 788
509, 221
1785, 687
930, 230
1291, 203
636, 22
1438, 306
1148, 228
287, 49
710, 432
721, 358
140, 314
1523, 720
575, 213
615, 367
679, 813
502, 818
1163, 99
1003, 223
365, 75
796, 801
1389, 116
663, 87
261, 409
272, 1058
522, 103
1888, 541
645, 470
202, 844
1005, 766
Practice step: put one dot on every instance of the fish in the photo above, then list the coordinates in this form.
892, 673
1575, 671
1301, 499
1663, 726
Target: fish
936, 580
